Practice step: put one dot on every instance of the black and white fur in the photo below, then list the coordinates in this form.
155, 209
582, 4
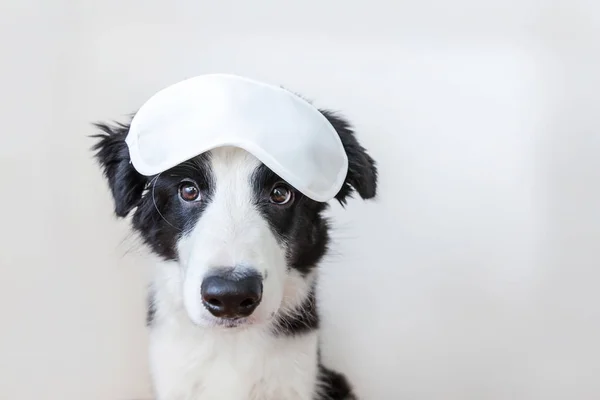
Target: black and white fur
273, 354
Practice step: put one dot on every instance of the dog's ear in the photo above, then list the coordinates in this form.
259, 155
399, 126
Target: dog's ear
126, 184
362, 169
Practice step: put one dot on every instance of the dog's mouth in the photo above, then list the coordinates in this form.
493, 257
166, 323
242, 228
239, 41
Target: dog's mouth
232, 323
243, 322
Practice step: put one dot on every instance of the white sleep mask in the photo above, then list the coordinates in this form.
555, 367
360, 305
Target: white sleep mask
282, 130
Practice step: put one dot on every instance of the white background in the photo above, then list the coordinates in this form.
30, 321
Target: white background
473, 276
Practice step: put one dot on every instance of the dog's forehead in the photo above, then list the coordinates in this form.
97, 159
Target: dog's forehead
229, 158
233, 165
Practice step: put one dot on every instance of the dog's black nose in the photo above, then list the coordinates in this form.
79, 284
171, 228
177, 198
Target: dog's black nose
226, 295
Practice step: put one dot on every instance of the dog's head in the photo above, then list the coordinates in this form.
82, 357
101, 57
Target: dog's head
245, 241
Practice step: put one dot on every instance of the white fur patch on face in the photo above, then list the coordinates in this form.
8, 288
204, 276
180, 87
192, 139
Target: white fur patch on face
232, 233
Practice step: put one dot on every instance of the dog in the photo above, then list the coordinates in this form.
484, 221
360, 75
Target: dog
232, 308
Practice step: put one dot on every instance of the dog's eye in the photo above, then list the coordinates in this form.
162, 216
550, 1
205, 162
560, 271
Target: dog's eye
281, 195
188, 191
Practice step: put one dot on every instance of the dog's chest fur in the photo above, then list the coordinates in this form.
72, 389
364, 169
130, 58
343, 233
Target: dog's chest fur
193, 364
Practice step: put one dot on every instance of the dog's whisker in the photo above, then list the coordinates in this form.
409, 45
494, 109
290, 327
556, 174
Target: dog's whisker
156, 206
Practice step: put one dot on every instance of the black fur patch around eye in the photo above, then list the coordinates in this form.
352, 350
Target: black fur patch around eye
162, 217
299, 225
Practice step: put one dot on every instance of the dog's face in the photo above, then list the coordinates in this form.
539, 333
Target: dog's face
246, 242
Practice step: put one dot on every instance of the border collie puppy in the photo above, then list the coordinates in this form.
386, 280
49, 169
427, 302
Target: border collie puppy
232, 313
